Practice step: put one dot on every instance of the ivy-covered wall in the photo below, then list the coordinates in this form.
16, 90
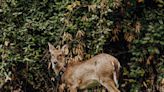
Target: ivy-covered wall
131, 30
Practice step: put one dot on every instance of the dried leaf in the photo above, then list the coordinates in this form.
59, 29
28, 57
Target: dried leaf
115, 38
150, 58
58, 47
92, 7
73, 5
137, 27
161, 87
77, 3
103, 4
116, 31
7, 43
79, 34
129, 37
70, 7
116, 3
66, 37
85, 18
140, 1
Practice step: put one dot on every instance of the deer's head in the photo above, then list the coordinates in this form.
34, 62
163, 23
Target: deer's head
58, 57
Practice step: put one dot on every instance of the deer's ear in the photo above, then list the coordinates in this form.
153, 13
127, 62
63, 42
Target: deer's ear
51, 47
65, 49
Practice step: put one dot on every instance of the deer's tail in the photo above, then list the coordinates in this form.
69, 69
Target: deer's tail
117, 66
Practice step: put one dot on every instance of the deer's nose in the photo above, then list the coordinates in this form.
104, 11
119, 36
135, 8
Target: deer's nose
54, 64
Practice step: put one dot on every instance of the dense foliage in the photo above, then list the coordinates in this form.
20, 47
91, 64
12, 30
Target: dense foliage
131, 30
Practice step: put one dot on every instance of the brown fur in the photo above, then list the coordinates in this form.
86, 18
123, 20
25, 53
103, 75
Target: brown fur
100, 68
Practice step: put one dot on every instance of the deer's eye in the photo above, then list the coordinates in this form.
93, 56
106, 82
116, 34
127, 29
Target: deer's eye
60, 55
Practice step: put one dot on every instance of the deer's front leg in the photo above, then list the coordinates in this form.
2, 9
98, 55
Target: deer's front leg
73, 89
61, 87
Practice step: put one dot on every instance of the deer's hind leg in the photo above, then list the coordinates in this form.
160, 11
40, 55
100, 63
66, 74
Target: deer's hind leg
109, 85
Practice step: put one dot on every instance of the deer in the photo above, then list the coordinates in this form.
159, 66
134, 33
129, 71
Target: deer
102, 69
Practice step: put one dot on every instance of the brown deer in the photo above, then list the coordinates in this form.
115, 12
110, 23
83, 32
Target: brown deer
101, 69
